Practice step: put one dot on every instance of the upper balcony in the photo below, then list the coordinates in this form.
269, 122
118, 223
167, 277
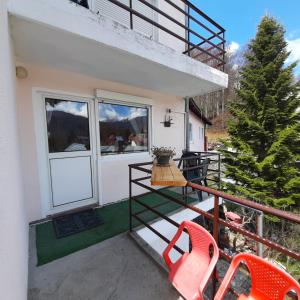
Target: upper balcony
169, 46
178, 24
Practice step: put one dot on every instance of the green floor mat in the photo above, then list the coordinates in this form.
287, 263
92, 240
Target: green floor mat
116, 221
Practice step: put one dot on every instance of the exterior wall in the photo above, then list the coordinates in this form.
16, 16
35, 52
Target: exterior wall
13, 225
77, 39
197, 143
113, 176
159, 34
164, 37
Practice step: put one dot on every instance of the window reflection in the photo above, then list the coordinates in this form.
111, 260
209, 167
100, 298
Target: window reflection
67, 125
123, 128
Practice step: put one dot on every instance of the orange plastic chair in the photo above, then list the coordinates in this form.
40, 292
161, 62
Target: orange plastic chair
268, 282
191, 272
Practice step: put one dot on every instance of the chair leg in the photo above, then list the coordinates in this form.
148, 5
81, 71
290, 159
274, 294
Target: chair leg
200, 197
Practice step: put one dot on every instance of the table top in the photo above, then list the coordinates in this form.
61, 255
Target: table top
167, 175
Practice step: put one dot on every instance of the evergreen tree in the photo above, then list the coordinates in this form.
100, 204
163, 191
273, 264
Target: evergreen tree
260, 156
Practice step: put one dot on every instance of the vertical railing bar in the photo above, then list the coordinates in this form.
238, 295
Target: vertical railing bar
131, 16
216, 218
189, 34
219, 171
130, 198
260, 231
223, 68
216, 237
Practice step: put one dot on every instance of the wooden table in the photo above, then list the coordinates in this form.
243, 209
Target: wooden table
167, 175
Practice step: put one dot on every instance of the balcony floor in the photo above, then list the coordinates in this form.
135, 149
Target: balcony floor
114, 269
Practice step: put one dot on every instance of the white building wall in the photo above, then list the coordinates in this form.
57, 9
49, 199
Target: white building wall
197, 142
113, 176
164, 37
13, 225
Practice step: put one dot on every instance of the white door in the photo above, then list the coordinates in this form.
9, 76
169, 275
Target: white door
71, 152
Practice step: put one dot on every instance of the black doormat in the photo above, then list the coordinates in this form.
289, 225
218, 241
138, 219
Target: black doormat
76, 222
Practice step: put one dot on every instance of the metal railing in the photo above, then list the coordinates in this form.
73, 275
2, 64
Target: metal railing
214, 217
204, 39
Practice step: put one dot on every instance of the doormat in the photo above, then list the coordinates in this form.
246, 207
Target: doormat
116, 221
76, 222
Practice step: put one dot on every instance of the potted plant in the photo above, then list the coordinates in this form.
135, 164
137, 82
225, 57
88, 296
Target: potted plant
163, 155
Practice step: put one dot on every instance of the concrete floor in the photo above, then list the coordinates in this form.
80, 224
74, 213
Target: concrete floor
114, 269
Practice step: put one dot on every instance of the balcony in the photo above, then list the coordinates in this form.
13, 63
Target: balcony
184, 25
172, 48
118, 269
233, 233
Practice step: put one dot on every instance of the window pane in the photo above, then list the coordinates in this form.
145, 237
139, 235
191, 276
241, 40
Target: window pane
123, 129
67, 125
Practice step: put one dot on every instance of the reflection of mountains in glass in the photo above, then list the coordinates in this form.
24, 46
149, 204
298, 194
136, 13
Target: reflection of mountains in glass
65, 129
124, 127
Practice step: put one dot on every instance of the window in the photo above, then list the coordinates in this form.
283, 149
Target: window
123, 128
201, 133
67, 125
190, 132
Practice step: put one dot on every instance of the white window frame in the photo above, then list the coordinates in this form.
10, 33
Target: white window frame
103, 96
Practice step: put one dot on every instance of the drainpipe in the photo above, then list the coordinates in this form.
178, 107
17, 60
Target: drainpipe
187, 134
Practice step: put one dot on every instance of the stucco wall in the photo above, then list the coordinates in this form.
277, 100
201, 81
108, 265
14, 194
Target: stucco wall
13, 225
114, 171
166, 38
197, 143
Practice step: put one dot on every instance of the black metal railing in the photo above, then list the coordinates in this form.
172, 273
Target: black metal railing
203, 38
213, 217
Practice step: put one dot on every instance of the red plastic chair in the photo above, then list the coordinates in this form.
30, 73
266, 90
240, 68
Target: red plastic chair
191, 272
268, 282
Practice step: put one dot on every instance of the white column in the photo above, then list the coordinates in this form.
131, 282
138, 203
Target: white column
13, 224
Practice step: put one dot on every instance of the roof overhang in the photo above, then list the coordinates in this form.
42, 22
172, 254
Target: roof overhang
197, 111
62, 35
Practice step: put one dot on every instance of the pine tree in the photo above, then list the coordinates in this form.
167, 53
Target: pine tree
264, 145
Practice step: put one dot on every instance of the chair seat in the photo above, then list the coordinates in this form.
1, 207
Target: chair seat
187, 273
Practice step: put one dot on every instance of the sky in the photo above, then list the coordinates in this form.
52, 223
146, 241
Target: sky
106, 111
240, 19
110, 112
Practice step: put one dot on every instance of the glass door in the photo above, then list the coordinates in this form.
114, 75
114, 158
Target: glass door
70, 151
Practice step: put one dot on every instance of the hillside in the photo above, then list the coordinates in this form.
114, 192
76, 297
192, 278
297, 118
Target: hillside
219, 127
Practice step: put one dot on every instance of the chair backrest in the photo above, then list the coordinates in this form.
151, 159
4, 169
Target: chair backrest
202, 242
205, 164
268, 279
187, 163
201, 239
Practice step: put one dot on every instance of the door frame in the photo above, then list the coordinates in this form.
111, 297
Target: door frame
39, 113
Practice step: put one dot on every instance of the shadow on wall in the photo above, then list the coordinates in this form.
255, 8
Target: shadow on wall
83, 3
